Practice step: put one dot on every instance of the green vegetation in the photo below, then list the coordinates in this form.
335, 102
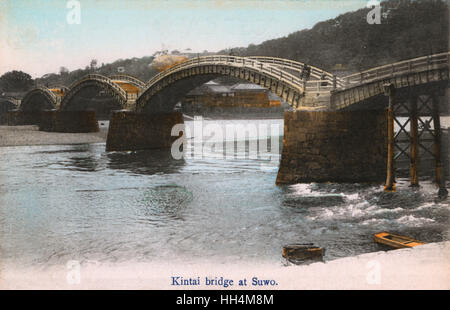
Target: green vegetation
408, 29
347, 43
15, 81
139, 67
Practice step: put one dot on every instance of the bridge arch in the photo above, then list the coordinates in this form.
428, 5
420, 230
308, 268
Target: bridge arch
167, 88
128, 78
87, 88
5, 106
38, 99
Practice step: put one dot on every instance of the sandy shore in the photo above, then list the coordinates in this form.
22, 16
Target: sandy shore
423, 267
30, 135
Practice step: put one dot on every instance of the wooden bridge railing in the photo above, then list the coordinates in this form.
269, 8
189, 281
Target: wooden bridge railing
128, 78
102, 78
424, 63
287, 71
45, 90
234, 61
322, 81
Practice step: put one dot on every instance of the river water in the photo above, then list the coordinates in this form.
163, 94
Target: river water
77, 202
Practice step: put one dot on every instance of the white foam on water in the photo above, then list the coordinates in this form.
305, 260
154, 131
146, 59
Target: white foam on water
301, 188
384, 210
374, 222
356, 210
407, 220
425, 206
432, 205
351, 196
411, 220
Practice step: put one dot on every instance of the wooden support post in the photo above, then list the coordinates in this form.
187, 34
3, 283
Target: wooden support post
440, 178
389, 90
414, 141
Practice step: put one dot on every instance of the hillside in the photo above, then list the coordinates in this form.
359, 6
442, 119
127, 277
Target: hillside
408, 29
347, 43
139, 67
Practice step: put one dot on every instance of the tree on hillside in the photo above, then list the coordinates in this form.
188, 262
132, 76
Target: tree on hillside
16, 81
408, 29
93, 64
63, 71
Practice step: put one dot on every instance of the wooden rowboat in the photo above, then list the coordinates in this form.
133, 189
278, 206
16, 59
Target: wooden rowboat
302, 252
396, 241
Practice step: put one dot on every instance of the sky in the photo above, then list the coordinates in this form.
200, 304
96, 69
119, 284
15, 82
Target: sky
40, 36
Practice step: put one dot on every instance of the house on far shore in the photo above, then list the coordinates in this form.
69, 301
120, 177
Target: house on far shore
216, 98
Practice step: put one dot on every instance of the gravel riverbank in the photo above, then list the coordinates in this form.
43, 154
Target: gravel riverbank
30, 135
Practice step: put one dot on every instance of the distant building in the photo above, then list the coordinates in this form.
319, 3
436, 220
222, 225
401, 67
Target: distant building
121, 69
59, 91
132, 91
213, 95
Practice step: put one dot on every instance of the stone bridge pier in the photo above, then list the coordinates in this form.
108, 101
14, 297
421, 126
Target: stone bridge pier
129, 130
333, 146
340, 130
321, 146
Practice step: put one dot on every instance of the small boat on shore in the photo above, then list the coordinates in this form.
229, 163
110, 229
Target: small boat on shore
303, 252
396, 241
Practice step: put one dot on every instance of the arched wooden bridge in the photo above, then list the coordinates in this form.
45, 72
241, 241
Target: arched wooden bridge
301, 86
414, 89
